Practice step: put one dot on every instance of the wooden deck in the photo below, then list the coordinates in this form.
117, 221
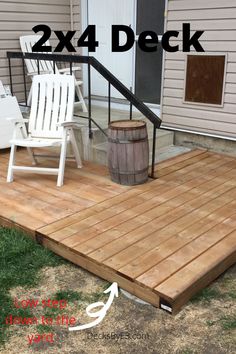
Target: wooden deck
162, 241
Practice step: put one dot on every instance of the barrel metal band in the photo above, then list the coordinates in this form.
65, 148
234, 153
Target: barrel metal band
117, 141
115, 170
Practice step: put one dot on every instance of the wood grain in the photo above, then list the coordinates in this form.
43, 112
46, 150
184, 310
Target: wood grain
161, 241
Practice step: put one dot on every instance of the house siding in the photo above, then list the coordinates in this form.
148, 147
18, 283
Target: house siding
77, 16
217, 18
17, 17
77, 23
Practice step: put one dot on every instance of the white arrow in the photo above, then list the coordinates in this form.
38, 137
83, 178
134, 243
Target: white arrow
100, 314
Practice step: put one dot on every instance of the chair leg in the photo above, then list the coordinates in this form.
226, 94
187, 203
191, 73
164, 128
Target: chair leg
32, 157
81, 98
29, 97
75, 148
62, 162
30, 151
11, 164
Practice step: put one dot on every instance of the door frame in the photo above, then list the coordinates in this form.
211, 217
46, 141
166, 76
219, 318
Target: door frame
84, 24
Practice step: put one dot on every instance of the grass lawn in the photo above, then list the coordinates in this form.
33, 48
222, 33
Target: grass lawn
207, 325
21, 260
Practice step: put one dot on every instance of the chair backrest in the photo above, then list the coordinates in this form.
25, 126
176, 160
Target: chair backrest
45, 66
52, 103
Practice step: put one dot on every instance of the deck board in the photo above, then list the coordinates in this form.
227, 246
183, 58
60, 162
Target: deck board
162, 241
155, 255
199, 272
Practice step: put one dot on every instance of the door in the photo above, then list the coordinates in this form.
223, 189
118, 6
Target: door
134, 68
104, 14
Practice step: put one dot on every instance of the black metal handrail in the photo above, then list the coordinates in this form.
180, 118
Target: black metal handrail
112, 80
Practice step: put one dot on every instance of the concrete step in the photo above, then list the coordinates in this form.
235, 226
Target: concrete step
168, 152
100, 115
162, 153
94, 149
164, 139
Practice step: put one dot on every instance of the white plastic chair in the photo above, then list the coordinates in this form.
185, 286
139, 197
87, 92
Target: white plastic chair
46, 67
50, 123
2, 90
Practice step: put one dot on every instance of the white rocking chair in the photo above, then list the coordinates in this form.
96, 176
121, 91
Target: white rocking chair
47, 67
50, 123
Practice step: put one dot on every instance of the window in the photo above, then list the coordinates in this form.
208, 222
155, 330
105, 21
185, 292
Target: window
150, 17
205, 79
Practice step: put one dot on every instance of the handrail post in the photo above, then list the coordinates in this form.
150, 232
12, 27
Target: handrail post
131, 111
153, 151
10, 73
89, 102
109, 102
131, 108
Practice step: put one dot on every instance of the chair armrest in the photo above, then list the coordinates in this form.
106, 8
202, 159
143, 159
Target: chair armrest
17, 120
72, 124
42, 72
67, 70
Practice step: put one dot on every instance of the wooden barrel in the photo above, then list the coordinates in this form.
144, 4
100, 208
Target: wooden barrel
128, 152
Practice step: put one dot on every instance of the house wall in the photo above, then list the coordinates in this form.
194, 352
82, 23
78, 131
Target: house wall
217, 18
77, 21
17, 17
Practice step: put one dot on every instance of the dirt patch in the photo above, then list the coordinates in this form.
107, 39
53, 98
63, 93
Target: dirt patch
204, 326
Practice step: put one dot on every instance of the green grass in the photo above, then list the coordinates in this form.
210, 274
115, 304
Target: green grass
21, 259
227, 292
72, 297
52, 312
96, 296
211, 323
187, 351
6, 309
206, 295
232, 295
41, 329
228, 322
20, 262
68, 295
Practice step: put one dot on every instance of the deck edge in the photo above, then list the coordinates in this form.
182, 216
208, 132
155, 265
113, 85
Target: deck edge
101, 271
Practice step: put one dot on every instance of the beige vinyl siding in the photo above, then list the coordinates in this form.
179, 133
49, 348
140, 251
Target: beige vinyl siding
218, 19
77, 23
17, 17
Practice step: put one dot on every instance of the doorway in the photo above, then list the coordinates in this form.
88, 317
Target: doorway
138, 70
